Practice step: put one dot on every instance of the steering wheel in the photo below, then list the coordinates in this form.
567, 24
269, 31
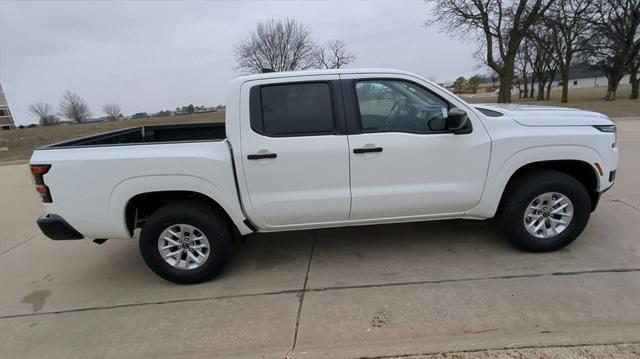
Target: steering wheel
393, 114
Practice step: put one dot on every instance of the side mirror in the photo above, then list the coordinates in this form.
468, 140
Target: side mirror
457, 119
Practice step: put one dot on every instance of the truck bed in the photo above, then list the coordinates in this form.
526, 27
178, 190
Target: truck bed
148, 134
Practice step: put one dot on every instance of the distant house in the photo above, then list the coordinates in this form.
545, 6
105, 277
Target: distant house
96, 120
163, 114
487, 87
583, 76
6, 120
206, 109
488, 84
446, 84
139, 115
580, 76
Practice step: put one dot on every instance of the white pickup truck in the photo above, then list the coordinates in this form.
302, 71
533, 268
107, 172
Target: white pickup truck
316, 149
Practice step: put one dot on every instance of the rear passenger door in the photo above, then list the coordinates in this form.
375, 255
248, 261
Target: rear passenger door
294, 151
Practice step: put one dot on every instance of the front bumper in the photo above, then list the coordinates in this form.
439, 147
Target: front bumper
56, 228
595, 199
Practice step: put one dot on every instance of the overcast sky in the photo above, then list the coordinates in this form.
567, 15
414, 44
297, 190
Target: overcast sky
149, 56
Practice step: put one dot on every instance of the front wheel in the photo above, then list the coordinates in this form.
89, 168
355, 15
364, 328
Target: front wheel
544, 211
185, 242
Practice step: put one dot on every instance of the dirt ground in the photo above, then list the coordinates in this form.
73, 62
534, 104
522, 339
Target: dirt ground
582, 352
591, 99
18, 144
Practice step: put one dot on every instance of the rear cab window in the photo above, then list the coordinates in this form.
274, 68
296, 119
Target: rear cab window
293, 109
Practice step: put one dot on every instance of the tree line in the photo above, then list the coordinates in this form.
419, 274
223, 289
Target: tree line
72, 107
461, 84
527, 42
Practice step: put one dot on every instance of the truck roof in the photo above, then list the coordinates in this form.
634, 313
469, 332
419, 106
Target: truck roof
280, 74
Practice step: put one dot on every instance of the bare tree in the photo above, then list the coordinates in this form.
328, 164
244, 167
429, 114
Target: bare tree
277, 45
615, 32
286, 46
44, 112
534, 71
334, 55
571, 23
634, 67
517, 82
492, 76
74, 108
500, 25
545, 62
633, 64
522, 69
112, 111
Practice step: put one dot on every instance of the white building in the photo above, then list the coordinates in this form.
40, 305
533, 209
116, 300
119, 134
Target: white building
585, 75
6, 121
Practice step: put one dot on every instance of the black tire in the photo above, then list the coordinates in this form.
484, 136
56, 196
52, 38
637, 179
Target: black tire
523, 190
196, 214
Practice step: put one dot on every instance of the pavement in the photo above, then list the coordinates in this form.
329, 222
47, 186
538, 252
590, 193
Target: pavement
375, 291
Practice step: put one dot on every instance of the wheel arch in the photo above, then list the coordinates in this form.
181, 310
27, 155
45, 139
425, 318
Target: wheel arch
583, 171
143, 205
148, 193
578, 161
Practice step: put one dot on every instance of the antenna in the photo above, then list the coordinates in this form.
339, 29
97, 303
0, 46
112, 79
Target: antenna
265, 70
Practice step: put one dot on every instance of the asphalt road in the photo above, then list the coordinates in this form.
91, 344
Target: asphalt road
354, 292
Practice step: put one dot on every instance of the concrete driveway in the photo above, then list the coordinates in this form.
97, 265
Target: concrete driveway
354, 292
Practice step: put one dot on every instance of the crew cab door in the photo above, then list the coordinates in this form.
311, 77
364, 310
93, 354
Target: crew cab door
295, 155
403, 160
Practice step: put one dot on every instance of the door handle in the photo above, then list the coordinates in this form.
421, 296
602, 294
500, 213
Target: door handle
259, 156
367, 149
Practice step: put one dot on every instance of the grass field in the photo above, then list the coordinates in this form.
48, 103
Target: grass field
591, 99
18, 144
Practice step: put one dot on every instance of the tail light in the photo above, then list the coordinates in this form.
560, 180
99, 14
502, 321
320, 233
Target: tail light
38, 172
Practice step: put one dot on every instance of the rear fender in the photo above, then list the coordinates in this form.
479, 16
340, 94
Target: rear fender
132, 187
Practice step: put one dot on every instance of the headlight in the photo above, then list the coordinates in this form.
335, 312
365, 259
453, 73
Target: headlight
610, 129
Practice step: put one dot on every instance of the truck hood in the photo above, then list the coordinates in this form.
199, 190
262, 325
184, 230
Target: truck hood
532, 115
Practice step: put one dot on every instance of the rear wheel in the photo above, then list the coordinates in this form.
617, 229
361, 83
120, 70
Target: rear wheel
185, 242
544, 211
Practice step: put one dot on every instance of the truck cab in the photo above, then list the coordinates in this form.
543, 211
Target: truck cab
320, 150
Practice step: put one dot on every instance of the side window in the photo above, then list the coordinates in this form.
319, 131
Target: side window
399, 106
300, 109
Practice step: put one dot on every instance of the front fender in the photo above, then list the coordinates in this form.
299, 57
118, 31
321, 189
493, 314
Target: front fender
500, 173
